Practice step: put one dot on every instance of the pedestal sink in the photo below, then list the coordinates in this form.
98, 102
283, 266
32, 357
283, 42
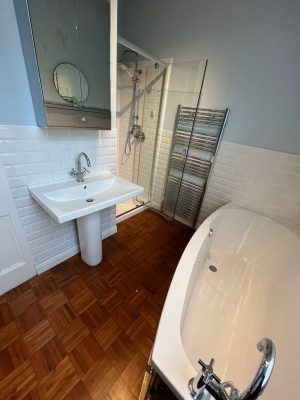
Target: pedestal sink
83, 201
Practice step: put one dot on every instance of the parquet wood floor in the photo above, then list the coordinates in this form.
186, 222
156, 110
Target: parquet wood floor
80, 333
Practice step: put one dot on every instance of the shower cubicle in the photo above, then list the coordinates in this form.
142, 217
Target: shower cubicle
166, 142
140, 81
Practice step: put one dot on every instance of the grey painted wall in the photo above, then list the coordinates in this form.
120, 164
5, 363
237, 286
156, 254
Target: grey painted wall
15, 100
254, 58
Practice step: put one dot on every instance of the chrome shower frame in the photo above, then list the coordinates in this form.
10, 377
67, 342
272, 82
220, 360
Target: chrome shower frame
126, 68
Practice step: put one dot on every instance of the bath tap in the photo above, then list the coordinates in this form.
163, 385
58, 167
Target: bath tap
207, 379
81, 172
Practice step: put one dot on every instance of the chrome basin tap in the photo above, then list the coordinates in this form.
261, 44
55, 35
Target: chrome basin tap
207, 379
81, 171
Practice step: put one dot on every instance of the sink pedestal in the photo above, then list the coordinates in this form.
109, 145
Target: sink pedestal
89, 232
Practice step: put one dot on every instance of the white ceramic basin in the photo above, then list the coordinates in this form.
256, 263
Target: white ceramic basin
82, 201
84, 189
68, 200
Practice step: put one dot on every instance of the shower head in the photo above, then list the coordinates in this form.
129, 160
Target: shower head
125, 68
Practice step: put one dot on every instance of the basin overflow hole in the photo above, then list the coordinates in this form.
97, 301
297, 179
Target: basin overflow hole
84, 187
89, 200
213, 268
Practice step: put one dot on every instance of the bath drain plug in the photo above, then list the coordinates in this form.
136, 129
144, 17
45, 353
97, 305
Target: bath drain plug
89, 200
213, 268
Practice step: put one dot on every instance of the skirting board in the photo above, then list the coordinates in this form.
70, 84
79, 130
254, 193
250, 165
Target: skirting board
52, 262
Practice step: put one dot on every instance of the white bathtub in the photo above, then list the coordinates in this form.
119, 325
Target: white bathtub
255, 293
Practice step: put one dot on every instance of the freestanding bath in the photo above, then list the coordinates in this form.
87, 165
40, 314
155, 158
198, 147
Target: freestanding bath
238, 281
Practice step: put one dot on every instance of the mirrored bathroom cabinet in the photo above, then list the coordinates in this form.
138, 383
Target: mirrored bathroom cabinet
66, 46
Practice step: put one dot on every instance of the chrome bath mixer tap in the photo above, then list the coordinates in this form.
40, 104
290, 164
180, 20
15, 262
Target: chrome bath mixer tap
207, 379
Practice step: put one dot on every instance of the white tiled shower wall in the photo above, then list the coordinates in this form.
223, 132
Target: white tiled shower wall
152, 100
137, 167
33, 155
182, 87
126, 165
259, 179
161, 167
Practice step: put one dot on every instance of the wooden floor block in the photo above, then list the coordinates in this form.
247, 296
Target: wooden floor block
6, 364
44, 287
79, 392
82, 333
17, 351
86, 355
22, 302
111, 300
107, 333
62, 317
73, 334
139, 330
5, 312
31, 317
60, 381
37, 393
121, 352
82, 301
18, 383
53, 301
8, 334
134, 372
100, 379
47, 358
93, 317
74, 287
124, 315
121, 391
38, 336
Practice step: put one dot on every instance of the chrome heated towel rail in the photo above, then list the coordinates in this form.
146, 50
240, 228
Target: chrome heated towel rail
197, 134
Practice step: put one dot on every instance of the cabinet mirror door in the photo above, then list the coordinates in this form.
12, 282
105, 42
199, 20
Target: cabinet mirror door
55, 39
72, 43
93, 21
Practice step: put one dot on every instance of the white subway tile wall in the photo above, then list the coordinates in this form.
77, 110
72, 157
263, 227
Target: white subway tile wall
152, 99
259, 179
182, 88
128, 165
33, 155
161, 167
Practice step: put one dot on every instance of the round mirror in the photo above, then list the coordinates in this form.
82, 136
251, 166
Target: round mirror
70, 83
